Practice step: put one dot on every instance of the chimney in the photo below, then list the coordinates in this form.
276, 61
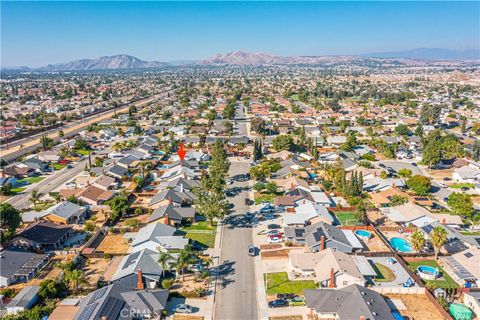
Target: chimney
292, 186
444, 221
181, 187
332, 279
362, 318
170, 201
140, 280
184, 175
322, 243
394, 186
166, 221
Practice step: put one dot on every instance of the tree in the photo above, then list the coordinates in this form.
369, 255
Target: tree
418, 240
283, 142
350, 143
35, 196
229, 111
460, 203
164, 259
259, 186
257, 150
438, 237
132, 223
476, 150
144, 165
402, 130
75, 278
397, 200
81, 144
46, 142
184, 258
419, 184
51, 289
258, 125
9, 220
271, 187
6, 189
405, 173
119, 205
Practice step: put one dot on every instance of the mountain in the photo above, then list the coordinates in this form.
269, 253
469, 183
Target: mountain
428, 54
121, 61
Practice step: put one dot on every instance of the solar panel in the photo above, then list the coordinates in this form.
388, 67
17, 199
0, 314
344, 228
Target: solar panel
131, 259
88, 311
468, 255
99, 293
111, 308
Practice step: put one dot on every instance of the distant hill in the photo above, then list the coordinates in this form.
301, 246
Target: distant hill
121, 61
428, 54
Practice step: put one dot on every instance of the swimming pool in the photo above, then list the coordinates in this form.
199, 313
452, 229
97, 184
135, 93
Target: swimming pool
363, 234
401, 245
427, 272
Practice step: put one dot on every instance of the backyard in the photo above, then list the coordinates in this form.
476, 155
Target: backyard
201, 232
444, 282
264, 197
30, 180
384, 274
347, 218
279, 283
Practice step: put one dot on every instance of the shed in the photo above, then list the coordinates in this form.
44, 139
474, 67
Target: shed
25, 299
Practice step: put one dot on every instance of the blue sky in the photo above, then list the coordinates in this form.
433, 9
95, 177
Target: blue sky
38, 33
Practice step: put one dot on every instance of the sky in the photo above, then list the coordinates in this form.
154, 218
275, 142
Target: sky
38, 33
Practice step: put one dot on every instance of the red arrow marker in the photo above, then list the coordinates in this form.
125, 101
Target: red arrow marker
181, 152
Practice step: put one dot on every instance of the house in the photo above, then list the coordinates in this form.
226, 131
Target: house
308, 212
178, 171
105, 182
472, 301
336, 140
65, 212
139, 269
321, 264
321, 236
25, 299
36, 165
116, 301
20, 265
18, 170
179, 184
352, 302
94, 196
468, 174
463, 266
171, 197
158, 236
379, 184
48, 156
12, 181
118, 172
43, 236
172, 215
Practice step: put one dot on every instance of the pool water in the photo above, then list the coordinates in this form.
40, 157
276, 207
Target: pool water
401, 245
363, 233
427, 272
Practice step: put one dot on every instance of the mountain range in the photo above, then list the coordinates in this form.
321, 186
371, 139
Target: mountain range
124, 61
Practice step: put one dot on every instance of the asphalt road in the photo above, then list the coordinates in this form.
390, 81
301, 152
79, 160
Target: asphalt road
236, 296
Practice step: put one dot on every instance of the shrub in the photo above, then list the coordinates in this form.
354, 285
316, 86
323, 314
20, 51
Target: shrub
167, 283
369, 157
89, 226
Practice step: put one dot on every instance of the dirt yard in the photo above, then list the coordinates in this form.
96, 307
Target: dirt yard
376, 244
440, 174
111, 268
94, 269
417, 306
275, 254
270, 246
113, 244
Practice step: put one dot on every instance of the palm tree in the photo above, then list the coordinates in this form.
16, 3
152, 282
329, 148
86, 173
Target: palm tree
75, 278
183, 260
164, 260
418, 240
144, 165
438, 237
35, 196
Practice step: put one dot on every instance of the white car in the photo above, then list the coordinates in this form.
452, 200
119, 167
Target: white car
441, 184
182, 308
275, 240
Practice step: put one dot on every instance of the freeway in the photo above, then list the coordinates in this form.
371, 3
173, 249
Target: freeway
236, 294
32, 143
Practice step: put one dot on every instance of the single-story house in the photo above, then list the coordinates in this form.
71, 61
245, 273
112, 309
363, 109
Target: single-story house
20, 265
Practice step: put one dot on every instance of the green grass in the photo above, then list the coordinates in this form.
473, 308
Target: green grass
470, 233
83, 152
59, 166
268, 197
278, 283
31, 180
347, 218
462, 185
445, 282
17, 190
384, 273
206, 239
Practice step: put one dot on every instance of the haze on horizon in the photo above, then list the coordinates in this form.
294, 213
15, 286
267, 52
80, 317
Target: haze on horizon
164, 31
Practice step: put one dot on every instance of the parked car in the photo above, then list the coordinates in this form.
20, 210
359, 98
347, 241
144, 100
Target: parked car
251, 250
230, 193
274, 233
182, 308
197, 267
296, 301
275, 240
465, 189
441, 184
247, 201
267, 210
69, 166
278, 303
286, 296
229, 181
273, 226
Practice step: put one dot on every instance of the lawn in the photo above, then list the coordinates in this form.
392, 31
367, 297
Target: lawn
384, 273
31, 180
347, 218
445, 282
264, 197
470, 233
83, 152
462, 185
17, 190
59, 166
202, 232
278, 283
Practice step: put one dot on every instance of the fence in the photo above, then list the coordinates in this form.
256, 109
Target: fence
399, 290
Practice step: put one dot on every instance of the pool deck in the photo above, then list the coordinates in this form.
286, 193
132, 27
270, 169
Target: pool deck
401, 275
